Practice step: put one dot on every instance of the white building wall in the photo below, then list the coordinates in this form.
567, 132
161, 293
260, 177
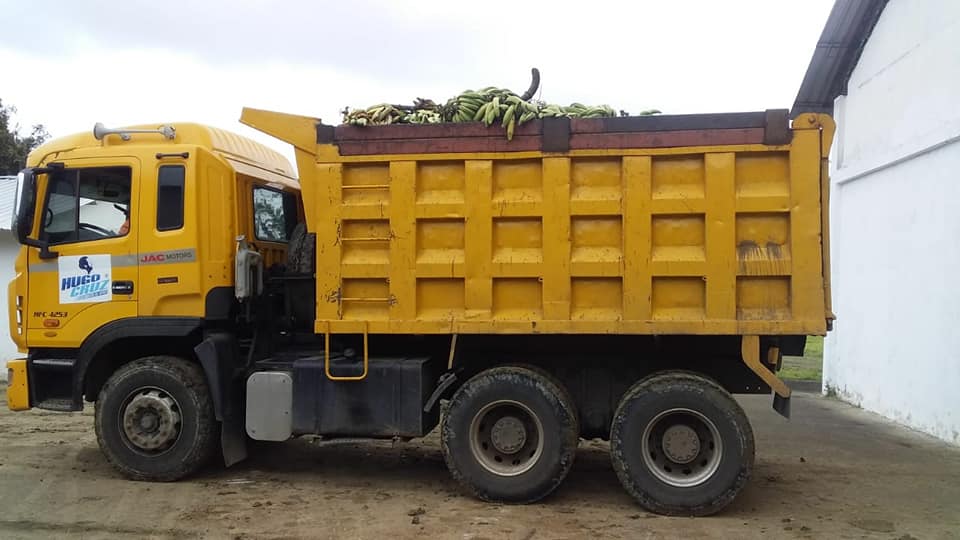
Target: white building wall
895, 223
8, 252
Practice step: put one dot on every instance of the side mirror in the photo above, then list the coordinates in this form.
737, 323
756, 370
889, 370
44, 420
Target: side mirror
24, 207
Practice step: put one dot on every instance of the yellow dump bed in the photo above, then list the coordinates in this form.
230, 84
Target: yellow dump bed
693, 224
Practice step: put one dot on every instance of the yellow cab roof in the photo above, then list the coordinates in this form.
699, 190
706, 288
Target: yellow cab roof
245, 155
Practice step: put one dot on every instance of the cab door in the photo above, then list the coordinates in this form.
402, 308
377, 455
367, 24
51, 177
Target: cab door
91, 276
170, 273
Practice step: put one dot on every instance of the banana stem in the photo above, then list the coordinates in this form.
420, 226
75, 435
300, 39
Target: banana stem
534, 84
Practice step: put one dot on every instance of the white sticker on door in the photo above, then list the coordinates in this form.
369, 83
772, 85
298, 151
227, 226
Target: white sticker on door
84, 278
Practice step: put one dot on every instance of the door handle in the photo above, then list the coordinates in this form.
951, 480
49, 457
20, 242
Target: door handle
122, 287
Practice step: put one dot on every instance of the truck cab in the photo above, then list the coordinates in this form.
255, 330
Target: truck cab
130, 241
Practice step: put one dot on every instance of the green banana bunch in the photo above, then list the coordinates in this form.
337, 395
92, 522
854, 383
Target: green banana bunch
465, 106
382, 114
552, 111
577, 110
487, 105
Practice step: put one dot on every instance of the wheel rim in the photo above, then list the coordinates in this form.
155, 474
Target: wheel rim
150, 421
506, 438
682, 447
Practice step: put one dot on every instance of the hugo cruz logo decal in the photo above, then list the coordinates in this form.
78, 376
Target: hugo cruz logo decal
84, 278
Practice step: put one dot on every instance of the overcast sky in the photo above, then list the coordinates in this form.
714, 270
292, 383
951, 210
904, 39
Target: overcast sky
69, 64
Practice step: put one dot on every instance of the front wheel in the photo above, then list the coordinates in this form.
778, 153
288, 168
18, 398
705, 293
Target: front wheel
154, 419
681, 445
510, 434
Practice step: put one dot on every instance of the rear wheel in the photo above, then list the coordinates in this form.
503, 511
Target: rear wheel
154, 419
510, 434
681, 445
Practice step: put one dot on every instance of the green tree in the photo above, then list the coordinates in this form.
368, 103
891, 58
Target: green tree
13, 146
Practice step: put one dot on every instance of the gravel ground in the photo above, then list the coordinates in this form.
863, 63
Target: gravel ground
833, 471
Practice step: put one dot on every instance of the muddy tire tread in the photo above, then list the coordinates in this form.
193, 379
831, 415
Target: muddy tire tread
191, 375
560, 403
709, 390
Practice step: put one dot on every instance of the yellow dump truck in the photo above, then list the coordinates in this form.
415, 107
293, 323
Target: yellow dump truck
614, 278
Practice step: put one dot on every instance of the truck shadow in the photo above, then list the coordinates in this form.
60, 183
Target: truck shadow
380, 470
407, 466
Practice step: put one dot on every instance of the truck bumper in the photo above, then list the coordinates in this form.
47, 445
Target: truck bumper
18, 389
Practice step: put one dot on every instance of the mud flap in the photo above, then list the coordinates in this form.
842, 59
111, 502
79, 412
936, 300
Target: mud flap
233, 442
445, 382
782, 405
217, 354
750, 352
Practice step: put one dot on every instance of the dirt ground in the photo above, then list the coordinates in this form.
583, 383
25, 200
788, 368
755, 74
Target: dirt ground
833, 471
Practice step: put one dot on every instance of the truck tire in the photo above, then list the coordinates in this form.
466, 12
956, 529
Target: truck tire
154, 419
300, 250
681, 445
510, 435
562, 388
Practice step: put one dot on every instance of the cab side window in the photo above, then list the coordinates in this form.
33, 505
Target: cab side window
274, 214
170, 181
87, 204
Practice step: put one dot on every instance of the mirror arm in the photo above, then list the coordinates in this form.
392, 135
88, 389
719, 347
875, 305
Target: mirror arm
45, 252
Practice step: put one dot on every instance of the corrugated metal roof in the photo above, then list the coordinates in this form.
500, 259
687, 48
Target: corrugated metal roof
8, 190
837, 53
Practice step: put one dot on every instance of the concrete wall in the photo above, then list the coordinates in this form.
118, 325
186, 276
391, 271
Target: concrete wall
8, 252
895, 224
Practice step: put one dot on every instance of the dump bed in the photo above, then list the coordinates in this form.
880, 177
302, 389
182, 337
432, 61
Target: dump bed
692, 224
